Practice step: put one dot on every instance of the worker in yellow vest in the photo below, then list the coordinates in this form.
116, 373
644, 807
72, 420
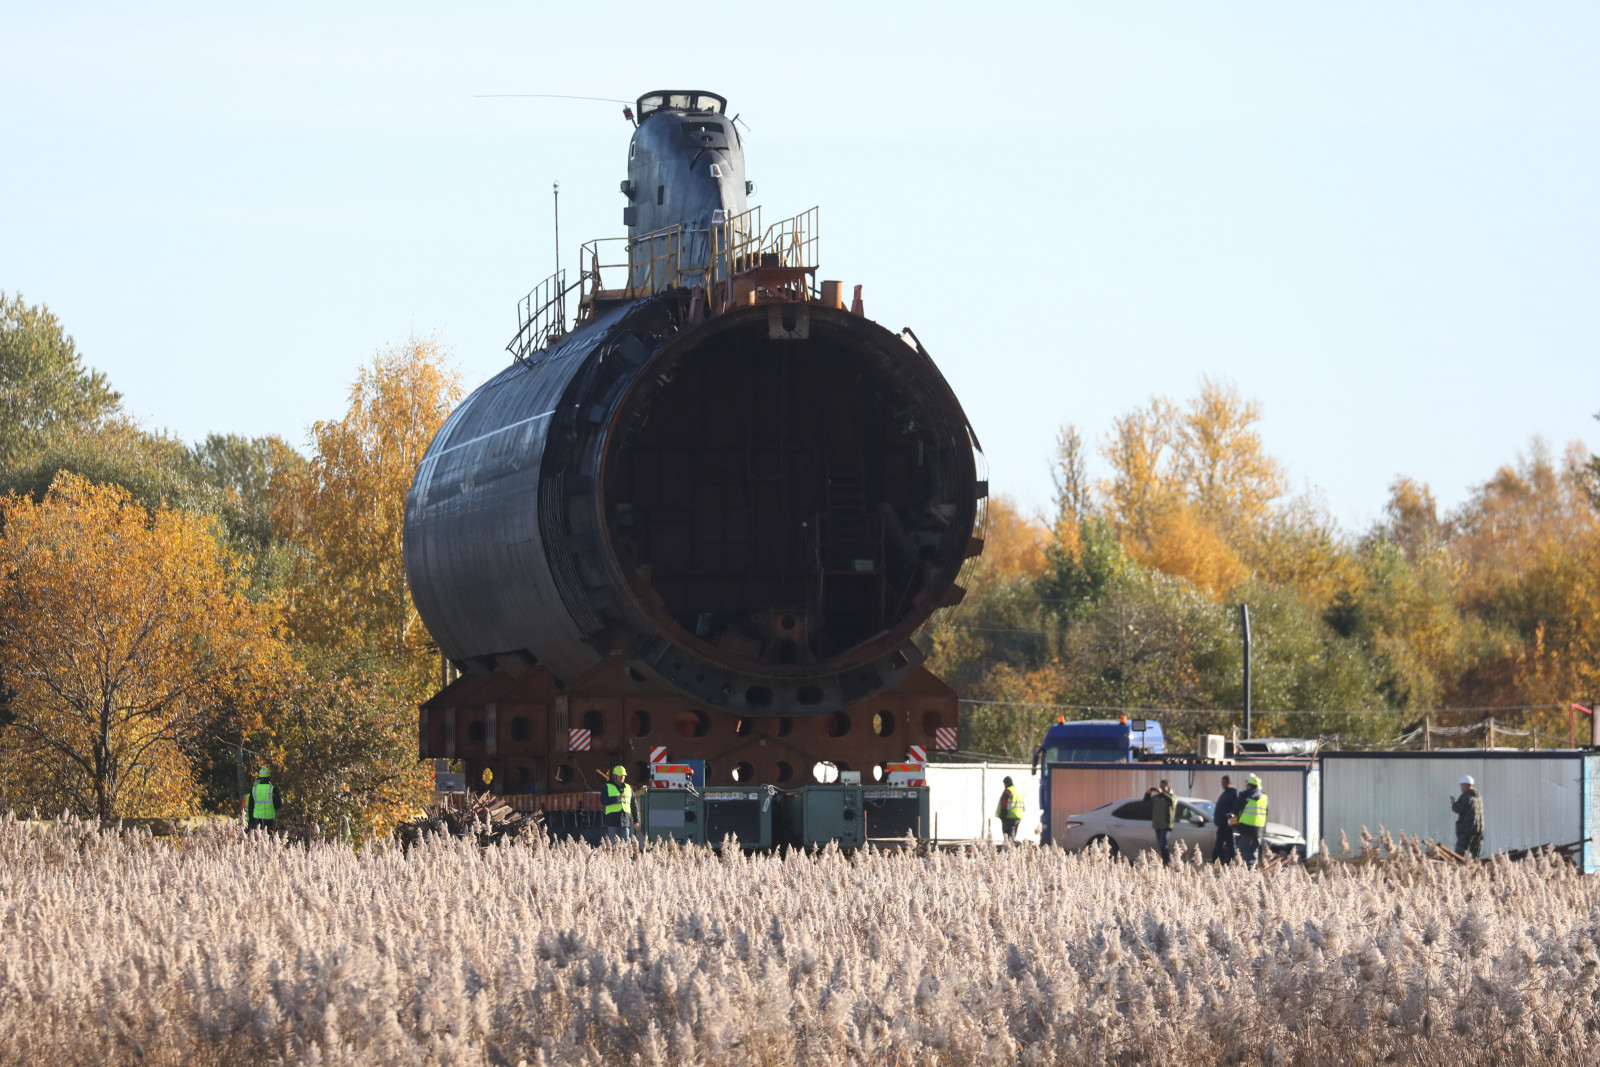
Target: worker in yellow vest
619, 809
1251, 820
261, 803
1009, 810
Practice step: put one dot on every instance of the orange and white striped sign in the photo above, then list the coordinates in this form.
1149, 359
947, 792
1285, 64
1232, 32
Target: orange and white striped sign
578, 740
911, 774
677, 775
944, 739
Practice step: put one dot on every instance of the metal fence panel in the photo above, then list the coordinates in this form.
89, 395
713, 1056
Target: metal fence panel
963, 798
1529, 798
1591, 808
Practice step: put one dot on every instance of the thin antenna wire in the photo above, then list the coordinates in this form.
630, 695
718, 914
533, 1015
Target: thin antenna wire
548, 96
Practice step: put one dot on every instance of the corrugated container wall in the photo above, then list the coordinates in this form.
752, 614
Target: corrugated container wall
1529, 799
1291, 789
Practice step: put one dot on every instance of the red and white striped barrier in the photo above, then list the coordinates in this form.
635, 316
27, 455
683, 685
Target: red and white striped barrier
919, 754
578, 739
658, 754
944, 739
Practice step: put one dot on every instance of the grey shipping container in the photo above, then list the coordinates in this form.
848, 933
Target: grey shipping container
1530, 798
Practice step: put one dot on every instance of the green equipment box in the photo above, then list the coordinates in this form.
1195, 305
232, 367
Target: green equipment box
672, 814
744, 812
818, 814
896, 812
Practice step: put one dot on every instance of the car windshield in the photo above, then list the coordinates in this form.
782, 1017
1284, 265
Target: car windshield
1204, 807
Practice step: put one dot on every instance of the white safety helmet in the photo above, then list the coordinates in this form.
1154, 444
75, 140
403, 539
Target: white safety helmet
1466, 779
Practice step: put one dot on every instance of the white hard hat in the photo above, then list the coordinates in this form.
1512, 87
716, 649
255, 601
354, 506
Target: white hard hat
1466, 779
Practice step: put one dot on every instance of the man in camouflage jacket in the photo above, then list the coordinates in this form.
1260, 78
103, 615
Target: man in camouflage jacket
1469, 819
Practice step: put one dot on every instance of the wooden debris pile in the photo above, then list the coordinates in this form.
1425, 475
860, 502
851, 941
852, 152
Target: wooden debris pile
484, 816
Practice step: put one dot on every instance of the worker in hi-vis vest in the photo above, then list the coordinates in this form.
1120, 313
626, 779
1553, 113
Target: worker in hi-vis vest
619, 810
261, 803
1009, 810
1251, 820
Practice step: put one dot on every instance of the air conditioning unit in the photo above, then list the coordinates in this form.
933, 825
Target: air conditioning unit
1211, 746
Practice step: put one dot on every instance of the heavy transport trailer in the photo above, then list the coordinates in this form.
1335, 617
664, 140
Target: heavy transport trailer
713, 514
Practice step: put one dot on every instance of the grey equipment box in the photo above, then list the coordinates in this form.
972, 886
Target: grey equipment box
746, 812
818, 814
672, 814
896, 811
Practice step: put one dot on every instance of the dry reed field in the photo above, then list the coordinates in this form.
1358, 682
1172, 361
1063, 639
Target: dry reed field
215, 949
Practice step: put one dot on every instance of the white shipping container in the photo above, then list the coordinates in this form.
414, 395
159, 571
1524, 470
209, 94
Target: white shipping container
1539, 797
962, 798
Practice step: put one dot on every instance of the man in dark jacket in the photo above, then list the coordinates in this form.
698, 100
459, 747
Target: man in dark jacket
1162, 807
1469, 819
1227, 804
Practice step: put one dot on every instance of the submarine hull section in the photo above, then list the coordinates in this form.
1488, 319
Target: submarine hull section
755, 511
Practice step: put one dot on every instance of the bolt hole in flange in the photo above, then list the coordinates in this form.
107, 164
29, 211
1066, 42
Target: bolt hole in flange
883, 723
782, 771
836, 724
641, 724
743, 772
691, 723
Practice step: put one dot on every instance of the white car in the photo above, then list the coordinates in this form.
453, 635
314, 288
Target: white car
1124, 825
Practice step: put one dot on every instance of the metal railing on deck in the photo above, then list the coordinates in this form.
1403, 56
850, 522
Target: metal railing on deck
654, 262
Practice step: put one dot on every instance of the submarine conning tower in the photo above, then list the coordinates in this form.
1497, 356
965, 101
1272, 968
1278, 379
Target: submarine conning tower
702, 477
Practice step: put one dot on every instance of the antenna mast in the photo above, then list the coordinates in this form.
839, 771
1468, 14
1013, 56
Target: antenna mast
561, 294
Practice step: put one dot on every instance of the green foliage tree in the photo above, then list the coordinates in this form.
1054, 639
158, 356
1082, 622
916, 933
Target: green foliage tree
344, 752
46, 394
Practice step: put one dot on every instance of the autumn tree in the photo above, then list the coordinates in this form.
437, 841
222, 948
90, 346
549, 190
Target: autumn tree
345, 510
345, 749
124, 630
45, 391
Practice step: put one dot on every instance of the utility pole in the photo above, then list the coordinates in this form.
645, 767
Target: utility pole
1244, 627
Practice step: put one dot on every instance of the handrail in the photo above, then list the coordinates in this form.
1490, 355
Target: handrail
660, 260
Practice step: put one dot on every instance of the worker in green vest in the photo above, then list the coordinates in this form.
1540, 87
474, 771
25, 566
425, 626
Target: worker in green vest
1009, 810
619, 810
261, 803
1251, 820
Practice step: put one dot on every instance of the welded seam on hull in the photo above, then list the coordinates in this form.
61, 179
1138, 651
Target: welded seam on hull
495, 433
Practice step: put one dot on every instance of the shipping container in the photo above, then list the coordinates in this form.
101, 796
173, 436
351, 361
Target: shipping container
1292, 788
1530, 798
963, 796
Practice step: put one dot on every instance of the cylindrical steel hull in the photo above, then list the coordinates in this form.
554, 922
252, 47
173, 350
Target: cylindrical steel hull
758, 510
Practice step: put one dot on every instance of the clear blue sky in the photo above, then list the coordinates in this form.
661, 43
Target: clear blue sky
1379, 219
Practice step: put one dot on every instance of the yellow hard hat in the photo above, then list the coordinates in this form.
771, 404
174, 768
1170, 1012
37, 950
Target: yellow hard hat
264, 773
620, 771
1252, 780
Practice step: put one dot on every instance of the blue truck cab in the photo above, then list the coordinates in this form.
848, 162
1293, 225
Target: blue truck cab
1120, 740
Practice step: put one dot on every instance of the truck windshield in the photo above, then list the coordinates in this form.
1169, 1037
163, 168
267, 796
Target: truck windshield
1086, 755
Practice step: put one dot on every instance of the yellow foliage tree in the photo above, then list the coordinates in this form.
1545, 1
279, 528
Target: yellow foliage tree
123, 631
1181, 543
346, 508
1013, 543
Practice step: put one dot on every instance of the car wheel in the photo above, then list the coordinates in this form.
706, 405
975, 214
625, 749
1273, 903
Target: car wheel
1109, 842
